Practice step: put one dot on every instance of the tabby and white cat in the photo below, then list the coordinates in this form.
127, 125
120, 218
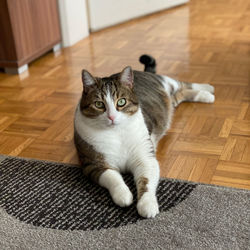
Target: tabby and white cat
118, 123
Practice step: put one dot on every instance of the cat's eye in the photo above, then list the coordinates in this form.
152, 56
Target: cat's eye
121, 102
99, 105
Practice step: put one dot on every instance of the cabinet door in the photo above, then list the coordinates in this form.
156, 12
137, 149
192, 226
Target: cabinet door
35, 25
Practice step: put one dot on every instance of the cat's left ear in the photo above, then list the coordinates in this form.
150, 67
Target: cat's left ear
127, 77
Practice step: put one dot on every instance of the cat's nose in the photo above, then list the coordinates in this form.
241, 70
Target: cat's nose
111, 117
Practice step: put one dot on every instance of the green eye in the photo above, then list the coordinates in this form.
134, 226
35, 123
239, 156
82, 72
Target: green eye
99, 104
121, 102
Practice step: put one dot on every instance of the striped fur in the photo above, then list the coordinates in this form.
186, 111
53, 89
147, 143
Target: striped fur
112, 139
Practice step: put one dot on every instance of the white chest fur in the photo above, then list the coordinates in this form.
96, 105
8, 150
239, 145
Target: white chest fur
121, 144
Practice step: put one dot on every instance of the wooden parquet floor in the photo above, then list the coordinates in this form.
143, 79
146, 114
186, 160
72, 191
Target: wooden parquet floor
203, 41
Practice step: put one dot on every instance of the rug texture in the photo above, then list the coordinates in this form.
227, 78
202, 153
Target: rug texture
45, 205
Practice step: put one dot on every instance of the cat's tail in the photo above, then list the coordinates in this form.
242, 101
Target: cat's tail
149, 63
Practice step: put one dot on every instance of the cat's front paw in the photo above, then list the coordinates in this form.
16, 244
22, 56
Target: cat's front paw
147, 206
122, 196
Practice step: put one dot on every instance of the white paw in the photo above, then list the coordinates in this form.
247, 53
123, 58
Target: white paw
122, 196
204, 96
147, 206
204, 86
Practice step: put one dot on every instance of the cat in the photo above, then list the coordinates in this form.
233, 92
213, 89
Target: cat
118, 123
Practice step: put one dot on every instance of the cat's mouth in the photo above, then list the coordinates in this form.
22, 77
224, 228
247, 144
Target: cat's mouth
112, 124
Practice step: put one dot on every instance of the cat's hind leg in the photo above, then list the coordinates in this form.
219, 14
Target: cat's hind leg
188, 92
193, 92
191, 95
119, 191
203, 86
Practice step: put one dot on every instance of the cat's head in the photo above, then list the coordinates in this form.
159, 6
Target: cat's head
109, 101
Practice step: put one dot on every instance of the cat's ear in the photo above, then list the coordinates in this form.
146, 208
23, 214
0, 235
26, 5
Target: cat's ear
87, 80
127, 77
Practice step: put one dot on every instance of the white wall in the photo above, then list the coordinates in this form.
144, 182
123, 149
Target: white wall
74, 21
78, 16
104, 13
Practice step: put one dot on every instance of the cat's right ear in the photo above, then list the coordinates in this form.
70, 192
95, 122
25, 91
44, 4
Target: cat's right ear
87, 80
127, 77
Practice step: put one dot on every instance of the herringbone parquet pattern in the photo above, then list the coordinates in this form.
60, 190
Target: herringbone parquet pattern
203, 41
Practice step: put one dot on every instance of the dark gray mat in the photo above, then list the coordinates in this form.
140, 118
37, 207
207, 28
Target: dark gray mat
47, 205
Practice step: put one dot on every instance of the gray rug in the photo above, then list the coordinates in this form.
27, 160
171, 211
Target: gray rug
46, 205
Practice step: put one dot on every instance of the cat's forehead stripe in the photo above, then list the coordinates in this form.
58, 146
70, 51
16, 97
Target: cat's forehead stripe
109, 87
110, 104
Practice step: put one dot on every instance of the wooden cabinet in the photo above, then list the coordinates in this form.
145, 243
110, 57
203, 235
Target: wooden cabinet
28, 29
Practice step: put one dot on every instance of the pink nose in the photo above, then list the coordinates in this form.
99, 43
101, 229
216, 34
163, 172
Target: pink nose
111, 117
